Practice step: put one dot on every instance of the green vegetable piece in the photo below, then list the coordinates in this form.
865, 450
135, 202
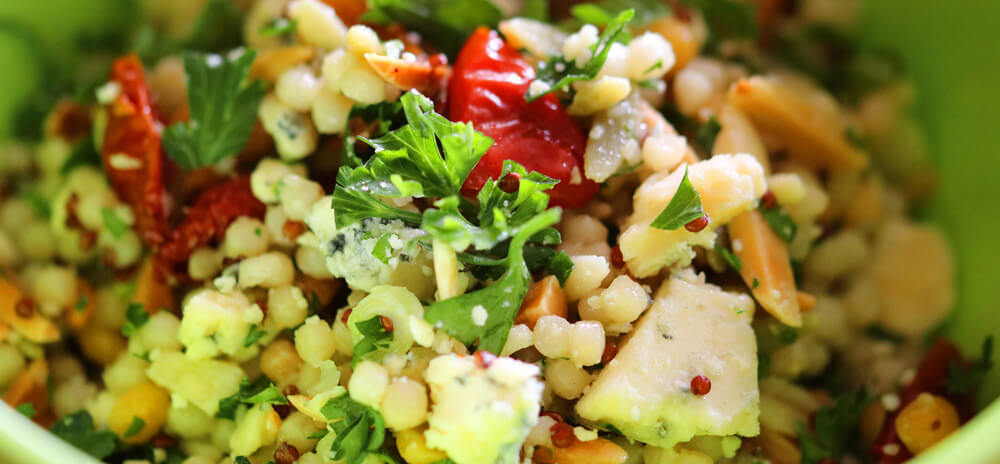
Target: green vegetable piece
558, 73
223, 109
113, 223
135, 318
836, 428
374, 337
26, 410
135, 427
77, 429
781, 223
684, 207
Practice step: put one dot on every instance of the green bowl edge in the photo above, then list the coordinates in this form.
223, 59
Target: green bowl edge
949, 49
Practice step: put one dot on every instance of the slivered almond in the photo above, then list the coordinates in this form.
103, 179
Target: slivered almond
544, 298
657, 124
796, 113
423, 75
599, 451
766, 268
152, 292
34, 327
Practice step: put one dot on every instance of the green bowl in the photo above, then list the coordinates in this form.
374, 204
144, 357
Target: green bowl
950, 50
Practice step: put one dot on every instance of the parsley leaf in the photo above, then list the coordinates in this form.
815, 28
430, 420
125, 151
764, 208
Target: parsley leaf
255, 333
558, 73
260, 391
77, 429
26, 410
383, 249
444, 23
360, 430
81, 303
602, 13
502, 299
115, 225
135, 318
241, 460
684, 207
706, 134
730, 258
780, 223
83, 154
727, 19
374, 337
408, 161
836, 428
966, 379
135, 427
278, 27
223, 109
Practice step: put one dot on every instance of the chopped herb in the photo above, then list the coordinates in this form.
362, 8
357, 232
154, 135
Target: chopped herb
558, 73
964, 379
26, 410
81, 303
852, 135
135, 318
37, 202
255, 334
77, 429
706, 134
727, 19
318, 434
560, 266
502, 299
787, 335
241, 460
142, 356
443, 23
278, 27
836, 428
781, 223
684, 207
738, 310
260, 391
258, 232
135, 427
756, 283
373, 337
83, 154
315, 306
408, 161
880, 332
730, 258
115, 225
359, 430
223, 109
382, 249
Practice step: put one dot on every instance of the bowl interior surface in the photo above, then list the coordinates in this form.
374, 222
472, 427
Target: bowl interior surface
949, 48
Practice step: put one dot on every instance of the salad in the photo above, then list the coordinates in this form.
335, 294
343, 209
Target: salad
479, 232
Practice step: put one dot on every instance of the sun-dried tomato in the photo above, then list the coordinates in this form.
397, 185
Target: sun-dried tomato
207, 219
132, 152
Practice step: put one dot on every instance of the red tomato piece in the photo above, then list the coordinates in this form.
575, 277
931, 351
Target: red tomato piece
206, 221
132, 153
487, 88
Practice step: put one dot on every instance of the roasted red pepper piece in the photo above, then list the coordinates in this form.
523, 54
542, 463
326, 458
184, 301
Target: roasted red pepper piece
132, 153
206, 221
487, 88
931, 377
